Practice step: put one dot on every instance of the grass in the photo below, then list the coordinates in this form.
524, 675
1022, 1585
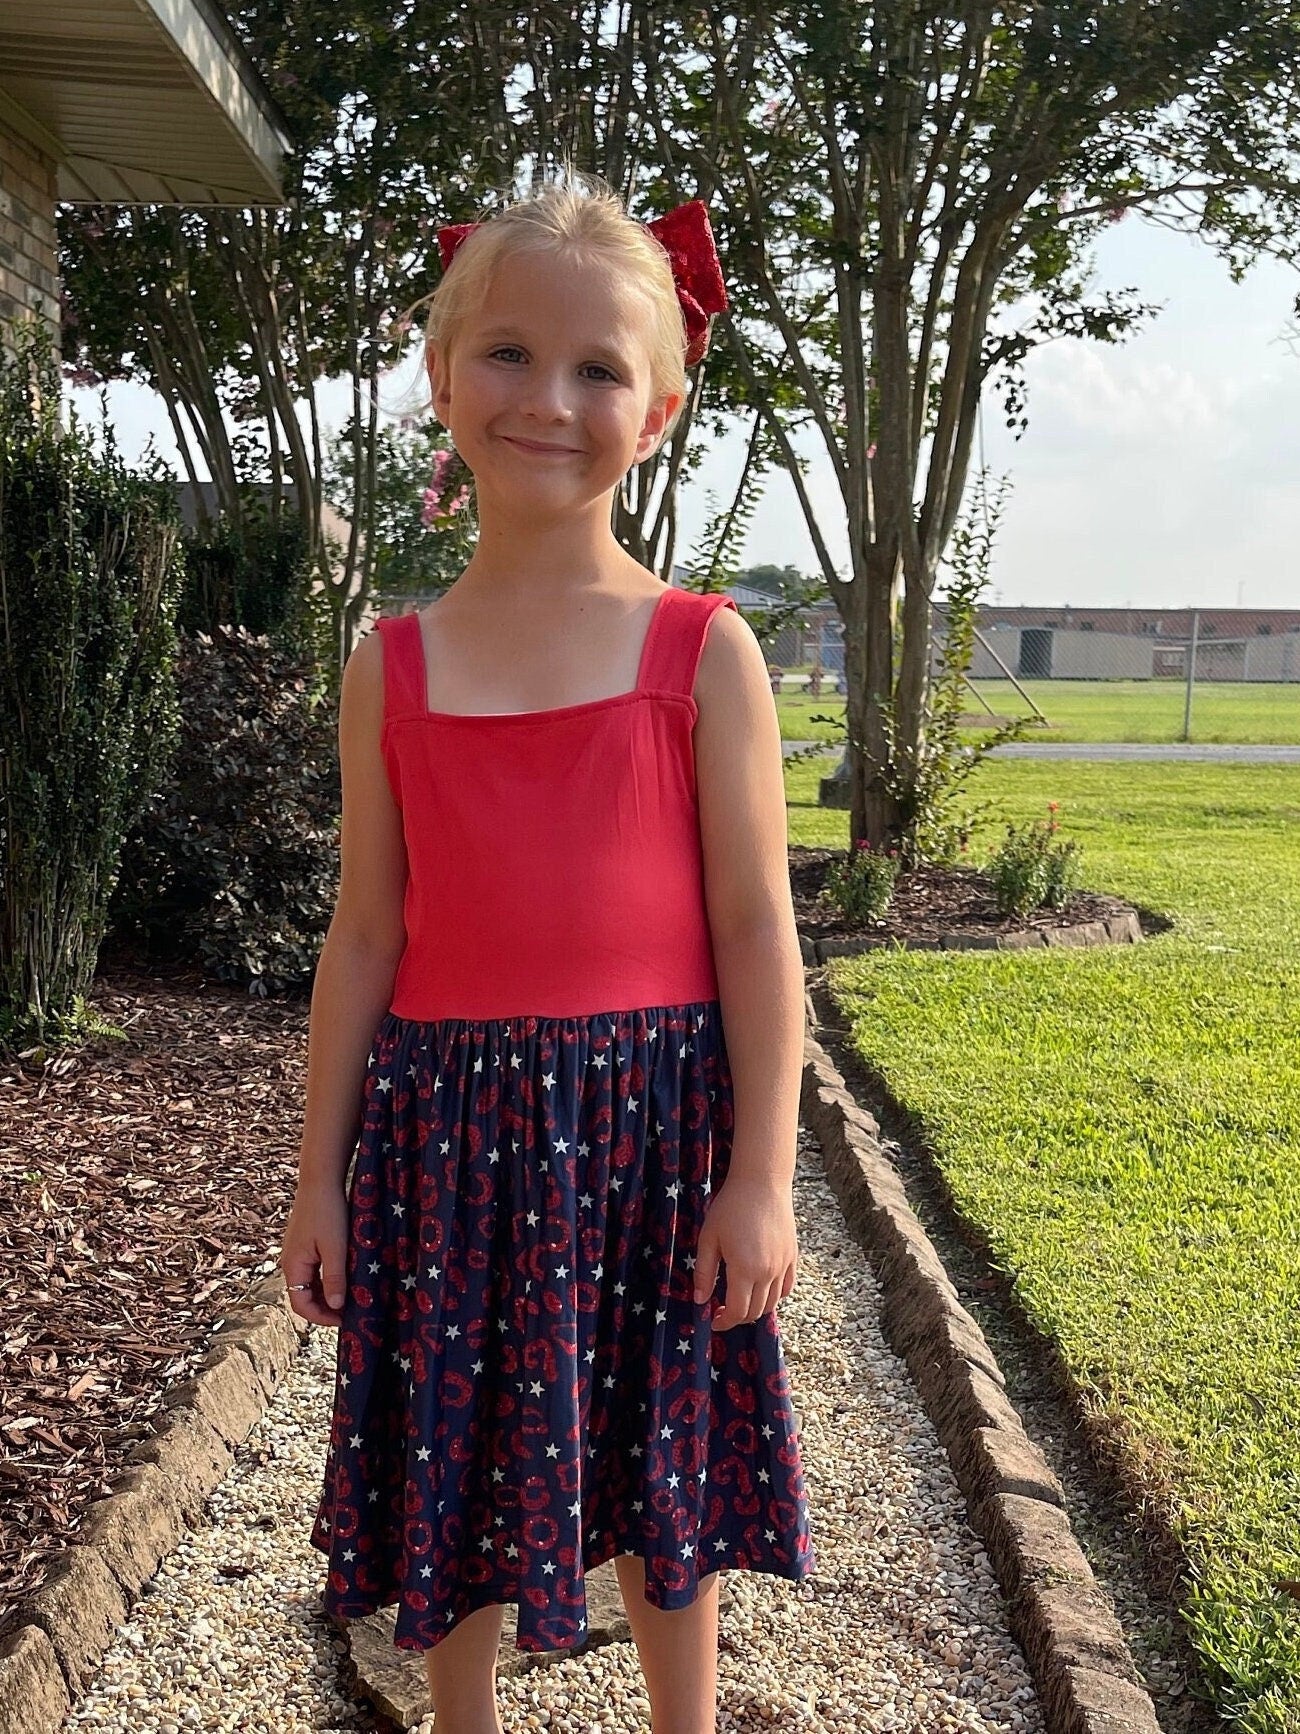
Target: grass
1245, 714
1124, 1125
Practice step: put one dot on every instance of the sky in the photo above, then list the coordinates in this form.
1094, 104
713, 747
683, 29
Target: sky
1153, 472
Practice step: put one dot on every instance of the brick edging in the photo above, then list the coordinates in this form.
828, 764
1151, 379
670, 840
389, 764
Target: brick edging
55, 1639
1083, 1672
1122, 929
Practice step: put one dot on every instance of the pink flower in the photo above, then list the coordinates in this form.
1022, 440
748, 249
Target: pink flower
433, 509
871, 449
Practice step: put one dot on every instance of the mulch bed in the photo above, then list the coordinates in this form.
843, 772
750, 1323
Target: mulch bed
146, 1180
928, 903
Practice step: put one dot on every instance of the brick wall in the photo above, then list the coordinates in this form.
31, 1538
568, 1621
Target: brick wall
28, 262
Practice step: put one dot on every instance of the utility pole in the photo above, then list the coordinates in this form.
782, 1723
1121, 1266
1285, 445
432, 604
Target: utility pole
1191, 677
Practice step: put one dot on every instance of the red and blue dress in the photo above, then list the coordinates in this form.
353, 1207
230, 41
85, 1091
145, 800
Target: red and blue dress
525, 1384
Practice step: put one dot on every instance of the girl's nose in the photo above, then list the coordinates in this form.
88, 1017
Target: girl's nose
546, 396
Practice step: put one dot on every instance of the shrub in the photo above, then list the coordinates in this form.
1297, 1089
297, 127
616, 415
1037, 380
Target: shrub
234, 866
1030, 869
254, 575
89, 580
861, 883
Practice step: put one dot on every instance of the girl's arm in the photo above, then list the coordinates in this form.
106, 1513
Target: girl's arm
741, 792
358, 961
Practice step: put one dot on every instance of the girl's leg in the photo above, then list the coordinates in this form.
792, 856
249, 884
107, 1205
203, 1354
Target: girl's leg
462, 1673
678, 1649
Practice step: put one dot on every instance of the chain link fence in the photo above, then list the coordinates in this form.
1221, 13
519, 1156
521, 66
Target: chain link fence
1236, 671
1138, 674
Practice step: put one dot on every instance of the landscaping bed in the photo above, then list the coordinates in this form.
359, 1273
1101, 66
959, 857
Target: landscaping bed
930, 904
146, 1179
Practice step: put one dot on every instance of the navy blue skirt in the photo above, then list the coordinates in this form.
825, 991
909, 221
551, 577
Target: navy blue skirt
525, 1384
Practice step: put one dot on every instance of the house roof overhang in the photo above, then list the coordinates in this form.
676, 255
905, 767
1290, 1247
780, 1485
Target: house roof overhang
141, 102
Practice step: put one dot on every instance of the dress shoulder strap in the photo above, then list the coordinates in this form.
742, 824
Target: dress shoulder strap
676, 639
404, 682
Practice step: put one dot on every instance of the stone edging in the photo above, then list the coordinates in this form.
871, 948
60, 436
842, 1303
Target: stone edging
1083, 1672
1123, 929
54, 1641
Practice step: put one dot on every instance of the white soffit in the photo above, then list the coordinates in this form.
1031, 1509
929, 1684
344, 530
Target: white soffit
141, 102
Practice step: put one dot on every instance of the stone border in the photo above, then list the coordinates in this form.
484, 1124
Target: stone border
1123, 929
1083, 1672
54, 1640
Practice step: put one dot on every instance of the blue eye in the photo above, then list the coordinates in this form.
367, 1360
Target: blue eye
501, 350
600, 366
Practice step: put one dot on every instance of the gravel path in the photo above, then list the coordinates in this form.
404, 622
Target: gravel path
902, 1627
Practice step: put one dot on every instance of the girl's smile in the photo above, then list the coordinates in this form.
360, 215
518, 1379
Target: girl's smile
536, 446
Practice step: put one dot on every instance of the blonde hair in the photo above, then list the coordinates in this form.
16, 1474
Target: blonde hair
582, 216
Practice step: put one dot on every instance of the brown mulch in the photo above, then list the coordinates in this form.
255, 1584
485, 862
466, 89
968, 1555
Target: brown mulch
146, 1180
928, 903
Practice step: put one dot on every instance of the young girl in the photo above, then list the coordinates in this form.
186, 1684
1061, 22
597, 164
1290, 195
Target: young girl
564, 875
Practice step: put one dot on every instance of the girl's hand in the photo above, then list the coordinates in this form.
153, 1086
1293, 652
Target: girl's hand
315, 1250
750, 1225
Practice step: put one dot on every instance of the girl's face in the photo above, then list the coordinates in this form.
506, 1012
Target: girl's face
548, 393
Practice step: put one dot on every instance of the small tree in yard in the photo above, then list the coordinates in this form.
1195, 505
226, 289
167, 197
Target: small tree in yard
906, 198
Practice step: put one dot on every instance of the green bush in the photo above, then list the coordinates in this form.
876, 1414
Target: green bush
90, 576
254, 576
1031, 870
234, 865
861, 884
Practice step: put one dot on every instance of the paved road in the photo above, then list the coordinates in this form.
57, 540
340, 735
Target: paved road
1129, 751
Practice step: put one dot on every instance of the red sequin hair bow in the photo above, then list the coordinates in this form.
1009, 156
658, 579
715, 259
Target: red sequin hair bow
686, 236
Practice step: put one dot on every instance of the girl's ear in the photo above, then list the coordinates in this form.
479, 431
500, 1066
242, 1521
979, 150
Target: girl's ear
439, 383
657, 418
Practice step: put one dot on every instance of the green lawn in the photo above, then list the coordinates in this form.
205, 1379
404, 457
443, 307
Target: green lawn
1124, 1124
1108, 710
